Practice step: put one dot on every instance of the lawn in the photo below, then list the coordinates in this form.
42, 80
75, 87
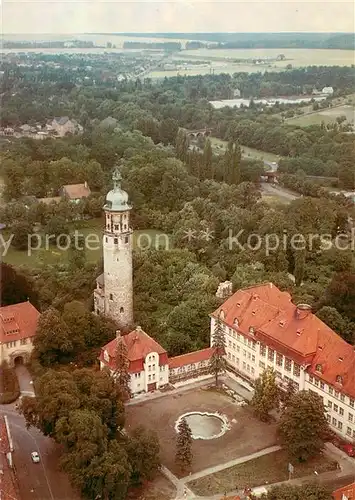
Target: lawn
327, 116
274, 200
246, 434
268, 469
247, 152
92, 231
158, 489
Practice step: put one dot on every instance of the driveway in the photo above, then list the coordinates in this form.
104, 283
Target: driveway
278, 191
24, 379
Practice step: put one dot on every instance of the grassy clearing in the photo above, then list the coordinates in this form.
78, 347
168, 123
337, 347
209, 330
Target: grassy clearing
274, 200
268, 469
327, 116
92, 232
247, 152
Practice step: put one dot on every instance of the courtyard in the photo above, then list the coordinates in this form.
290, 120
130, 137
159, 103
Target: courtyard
244, 434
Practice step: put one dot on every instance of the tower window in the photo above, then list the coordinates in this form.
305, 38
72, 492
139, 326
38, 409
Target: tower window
111, 296
106, 239
115, 240
121, 310
116, 227
126, 239
125, 226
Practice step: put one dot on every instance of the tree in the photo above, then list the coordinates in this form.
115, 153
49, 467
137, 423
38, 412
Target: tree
183, 456
266, 394
53, 341
182, 145
217, 363
144, 454
121, 373
208, 160
16, 287
300, 260
303, 428
286, 395
21, 231
341, 294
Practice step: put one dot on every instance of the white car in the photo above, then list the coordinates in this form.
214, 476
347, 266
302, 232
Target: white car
35, 457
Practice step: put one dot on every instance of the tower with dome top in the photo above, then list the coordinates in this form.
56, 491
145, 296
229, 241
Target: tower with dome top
113, 295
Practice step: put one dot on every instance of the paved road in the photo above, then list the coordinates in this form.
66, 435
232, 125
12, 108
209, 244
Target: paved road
41, 481
44, 480
278, 191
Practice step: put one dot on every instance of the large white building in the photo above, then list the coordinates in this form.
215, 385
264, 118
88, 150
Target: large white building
263, 328
114, 288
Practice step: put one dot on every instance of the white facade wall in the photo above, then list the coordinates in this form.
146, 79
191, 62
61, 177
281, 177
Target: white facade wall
250, 358
13, 348
188, 369
340, 407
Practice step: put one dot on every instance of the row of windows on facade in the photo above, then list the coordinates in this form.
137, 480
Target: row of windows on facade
116, 227
279, 376
246, 366
331, 391
340, 410
241, 338
9, 345
280, 359
187, 368
271, 353
150, 368
339, 425
115, 240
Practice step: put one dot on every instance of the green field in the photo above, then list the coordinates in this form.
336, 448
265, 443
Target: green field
267, 469
252, 153
327, 116
92, 231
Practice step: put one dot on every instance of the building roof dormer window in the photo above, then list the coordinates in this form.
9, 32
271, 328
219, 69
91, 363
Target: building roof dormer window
319, 368
236, 322
221, 314
339, 379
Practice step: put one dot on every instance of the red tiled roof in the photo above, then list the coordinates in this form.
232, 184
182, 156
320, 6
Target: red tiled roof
139, 345
18, 321
293, 331
191, 357
75, 191
347, 491
7, 486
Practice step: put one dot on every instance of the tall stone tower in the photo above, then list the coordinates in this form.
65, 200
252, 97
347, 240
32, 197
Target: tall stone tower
114, 288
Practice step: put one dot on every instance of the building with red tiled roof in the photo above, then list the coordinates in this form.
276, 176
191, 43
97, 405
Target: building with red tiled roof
192, 364
264, 328
18, 325
148, 361
76, 192
8, 487
345, 493
149, 365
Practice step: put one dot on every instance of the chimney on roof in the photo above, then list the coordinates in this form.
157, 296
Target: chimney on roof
85, 185
303, 310
118, 334
138, 329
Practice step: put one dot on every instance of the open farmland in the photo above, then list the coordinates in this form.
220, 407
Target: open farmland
296, 57
327, 116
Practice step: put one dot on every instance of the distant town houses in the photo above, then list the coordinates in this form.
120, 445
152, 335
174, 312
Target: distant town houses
63, 126
75, 192
70, 192
57, 127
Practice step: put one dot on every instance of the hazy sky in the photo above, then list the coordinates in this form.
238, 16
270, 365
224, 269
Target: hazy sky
78, 16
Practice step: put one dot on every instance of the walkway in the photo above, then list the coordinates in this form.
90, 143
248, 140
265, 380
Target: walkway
25, 380
159, 394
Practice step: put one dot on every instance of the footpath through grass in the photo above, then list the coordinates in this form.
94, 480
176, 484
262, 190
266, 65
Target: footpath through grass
268, 469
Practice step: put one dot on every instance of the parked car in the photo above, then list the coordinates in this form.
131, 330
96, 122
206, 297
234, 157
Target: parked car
35, 457
347, 447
